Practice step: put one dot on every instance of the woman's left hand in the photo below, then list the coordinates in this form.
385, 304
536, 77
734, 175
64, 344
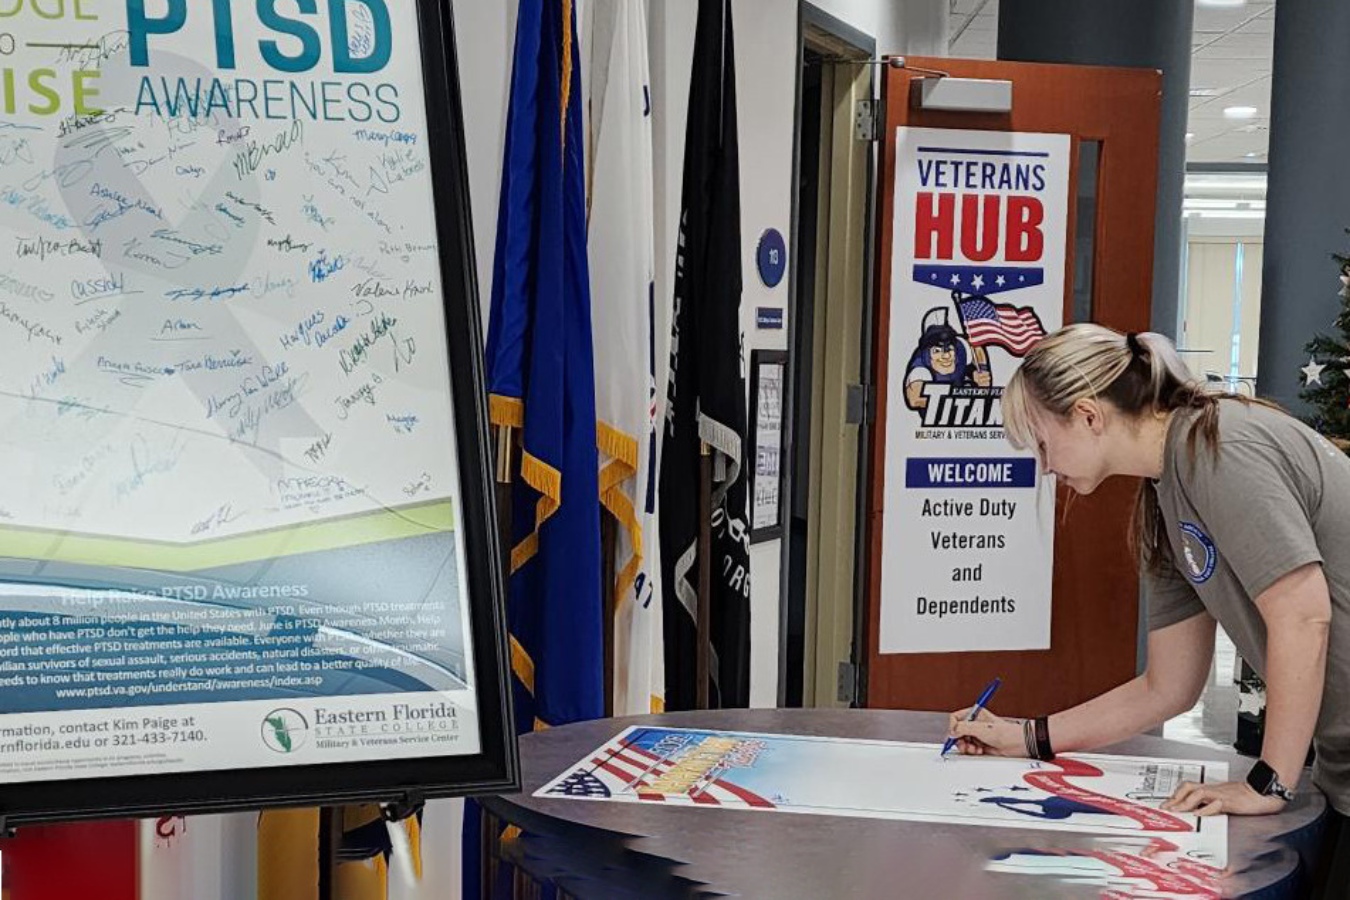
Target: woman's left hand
1234, 798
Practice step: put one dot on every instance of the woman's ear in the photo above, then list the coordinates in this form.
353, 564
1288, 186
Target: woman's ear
1091, 413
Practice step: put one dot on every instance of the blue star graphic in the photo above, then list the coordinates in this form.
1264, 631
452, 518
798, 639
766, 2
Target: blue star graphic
978, 282
956, 279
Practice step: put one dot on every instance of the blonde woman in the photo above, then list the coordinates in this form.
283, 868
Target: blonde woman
1243, 517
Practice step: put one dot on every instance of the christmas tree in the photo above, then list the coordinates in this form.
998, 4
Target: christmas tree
1326, 382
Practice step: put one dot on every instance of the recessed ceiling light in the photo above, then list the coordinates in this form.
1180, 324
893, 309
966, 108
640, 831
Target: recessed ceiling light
1197, 185
1190, 136
1227, 213
1203, 92
1253, 155
1229, 3
1239, 112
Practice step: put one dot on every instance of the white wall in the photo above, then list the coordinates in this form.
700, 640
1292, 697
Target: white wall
485, 33
766, 72
917, 27
766, 84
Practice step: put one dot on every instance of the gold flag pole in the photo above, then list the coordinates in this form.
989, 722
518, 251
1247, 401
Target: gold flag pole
703, 622
505, 477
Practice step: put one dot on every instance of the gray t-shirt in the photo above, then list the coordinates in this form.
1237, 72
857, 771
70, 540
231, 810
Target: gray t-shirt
1276, 498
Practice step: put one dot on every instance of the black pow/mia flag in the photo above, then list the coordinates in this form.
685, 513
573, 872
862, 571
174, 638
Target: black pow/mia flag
706, 394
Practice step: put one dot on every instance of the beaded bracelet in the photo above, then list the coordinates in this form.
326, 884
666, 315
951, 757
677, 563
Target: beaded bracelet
1036, 738
1029, 738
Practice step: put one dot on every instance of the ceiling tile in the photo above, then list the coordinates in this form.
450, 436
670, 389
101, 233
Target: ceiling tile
1260, 25
965, 7
1220, 19
1231, 59
1237, 45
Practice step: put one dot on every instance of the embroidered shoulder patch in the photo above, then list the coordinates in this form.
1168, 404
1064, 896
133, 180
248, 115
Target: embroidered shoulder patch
1199, 555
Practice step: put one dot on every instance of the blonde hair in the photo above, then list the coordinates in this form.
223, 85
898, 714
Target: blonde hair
1140, 375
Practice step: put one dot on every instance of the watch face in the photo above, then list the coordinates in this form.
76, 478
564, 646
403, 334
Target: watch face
1264, 780
1261, 777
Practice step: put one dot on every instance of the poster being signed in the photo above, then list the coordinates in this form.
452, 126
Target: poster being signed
1087, 793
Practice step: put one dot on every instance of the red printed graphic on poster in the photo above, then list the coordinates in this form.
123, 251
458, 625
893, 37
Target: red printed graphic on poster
1121, 869
977, 278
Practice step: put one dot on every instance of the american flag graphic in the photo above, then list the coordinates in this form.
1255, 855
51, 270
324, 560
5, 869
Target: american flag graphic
626, 769
581, 784
988, 324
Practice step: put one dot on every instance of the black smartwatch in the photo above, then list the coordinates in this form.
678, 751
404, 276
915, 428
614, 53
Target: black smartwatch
1264, 781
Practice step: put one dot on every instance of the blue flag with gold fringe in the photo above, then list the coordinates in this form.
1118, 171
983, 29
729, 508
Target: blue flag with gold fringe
541, 378
541, 382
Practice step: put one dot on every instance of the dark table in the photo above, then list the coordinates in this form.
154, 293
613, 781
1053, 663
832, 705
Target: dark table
615, 850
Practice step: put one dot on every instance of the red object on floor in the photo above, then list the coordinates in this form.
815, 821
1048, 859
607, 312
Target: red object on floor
79, 861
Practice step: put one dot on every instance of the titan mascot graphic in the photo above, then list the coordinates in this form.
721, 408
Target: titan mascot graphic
949, 382
943, 356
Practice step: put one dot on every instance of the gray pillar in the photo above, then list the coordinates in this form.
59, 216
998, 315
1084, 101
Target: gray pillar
1308, 197
1153, 34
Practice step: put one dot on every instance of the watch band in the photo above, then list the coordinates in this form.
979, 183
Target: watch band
1264, 780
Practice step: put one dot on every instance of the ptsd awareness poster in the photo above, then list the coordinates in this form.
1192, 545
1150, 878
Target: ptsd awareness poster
1086, 793
977, 277
228, 535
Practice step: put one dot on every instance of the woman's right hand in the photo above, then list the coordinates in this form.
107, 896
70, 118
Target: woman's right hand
987, 735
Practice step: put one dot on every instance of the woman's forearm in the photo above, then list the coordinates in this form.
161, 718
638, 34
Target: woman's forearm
1297, 613
1296, 659
1120, 713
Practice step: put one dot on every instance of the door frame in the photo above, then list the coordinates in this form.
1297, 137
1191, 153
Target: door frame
844, 38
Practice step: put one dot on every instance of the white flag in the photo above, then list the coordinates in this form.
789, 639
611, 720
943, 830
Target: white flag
621, 245
198, 857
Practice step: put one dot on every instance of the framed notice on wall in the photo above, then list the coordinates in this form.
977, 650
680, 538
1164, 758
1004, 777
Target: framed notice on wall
977, 277
768, 374
245, 546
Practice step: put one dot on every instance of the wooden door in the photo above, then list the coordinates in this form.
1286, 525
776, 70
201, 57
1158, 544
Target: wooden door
1112, 114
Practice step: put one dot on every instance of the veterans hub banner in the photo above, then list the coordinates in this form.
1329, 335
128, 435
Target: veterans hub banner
977, 277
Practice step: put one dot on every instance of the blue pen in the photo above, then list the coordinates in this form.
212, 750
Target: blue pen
974, 713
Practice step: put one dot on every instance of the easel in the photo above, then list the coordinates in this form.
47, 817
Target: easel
330, 843
332, 825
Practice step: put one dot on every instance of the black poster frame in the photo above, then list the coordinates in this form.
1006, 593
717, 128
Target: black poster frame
495, 769
760, 358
